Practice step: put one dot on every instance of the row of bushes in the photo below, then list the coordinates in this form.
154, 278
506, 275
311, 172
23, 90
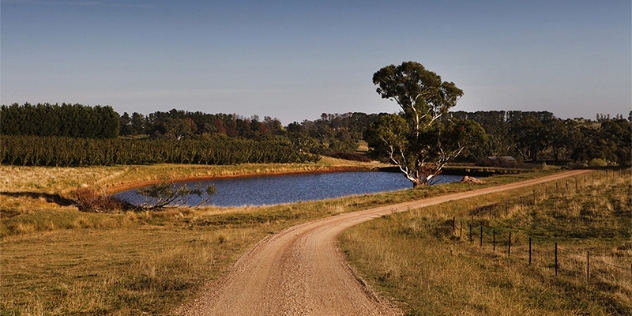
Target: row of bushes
71, 152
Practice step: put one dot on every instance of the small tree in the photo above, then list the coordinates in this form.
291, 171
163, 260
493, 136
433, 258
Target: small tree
96, 200
168, 194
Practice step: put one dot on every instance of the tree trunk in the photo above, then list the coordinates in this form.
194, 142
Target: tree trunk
417, 183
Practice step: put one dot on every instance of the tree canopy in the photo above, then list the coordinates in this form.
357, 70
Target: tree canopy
416, 140
420, 93
77, 135
66, 120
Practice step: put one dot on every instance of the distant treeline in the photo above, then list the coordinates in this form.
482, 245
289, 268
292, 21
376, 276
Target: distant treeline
71, 152
186, 125
539, 136
177, 124
332, 133
66, 120
525, 135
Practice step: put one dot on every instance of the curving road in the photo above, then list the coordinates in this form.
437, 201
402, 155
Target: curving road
299, 271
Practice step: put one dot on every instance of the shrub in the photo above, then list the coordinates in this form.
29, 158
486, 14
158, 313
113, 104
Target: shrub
91, 200
597, 162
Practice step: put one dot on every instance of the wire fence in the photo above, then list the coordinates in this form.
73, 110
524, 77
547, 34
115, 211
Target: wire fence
573, 260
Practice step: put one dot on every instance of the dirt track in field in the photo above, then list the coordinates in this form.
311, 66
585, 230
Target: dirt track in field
299, 271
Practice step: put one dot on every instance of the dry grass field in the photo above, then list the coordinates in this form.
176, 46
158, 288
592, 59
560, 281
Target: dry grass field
57, 260
63, 180
429, 266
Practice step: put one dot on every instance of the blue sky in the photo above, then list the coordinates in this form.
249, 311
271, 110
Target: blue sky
297, 59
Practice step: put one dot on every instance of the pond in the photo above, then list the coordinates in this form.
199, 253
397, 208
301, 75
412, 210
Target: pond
267, 190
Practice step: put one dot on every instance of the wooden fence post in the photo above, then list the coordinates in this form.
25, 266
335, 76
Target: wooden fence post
566, 185
587, 266
534, 199
471, 232
494, 241
529, 250
453, 224
509, 245
555, 259
481, 235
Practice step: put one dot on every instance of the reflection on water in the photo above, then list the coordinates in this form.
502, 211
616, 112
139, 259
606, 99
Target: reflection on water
268, 190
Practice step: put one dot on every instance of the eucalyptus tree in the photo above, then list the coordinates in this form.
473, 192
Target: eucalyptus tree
417, 140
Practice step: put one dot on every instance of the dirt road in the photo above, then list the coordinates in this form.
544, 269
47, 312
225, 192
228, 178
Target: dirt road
299, 271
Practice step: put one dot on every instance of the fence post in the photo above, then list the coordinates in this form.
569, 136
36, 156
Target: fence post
481, 235
494, 241
555, 259
471, 232
529, 250
509, 245
453, 224
557, 188
461, 232
587, 266
534, 199
566, 185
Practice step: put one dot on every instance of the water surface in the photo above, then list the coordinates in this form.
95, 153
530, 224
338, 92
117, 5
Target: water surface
266, 190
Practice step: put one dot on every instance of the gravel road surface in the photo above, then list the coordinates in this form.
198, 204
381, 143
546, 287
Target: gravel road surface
299, 271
